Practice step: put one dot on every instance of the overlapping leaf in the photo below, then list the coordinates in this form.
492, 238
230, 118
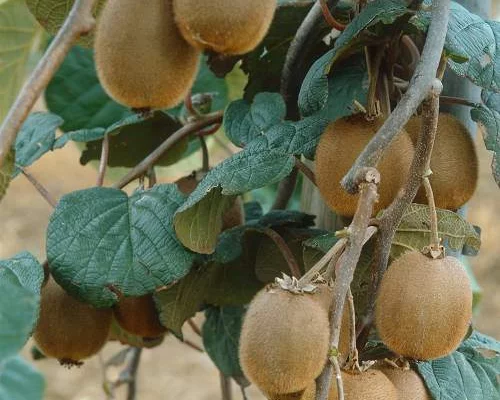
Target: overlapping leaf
20, 381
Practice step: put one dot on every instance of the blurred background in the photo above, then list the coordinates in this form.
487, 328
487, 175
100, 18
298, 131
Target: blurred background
173, 370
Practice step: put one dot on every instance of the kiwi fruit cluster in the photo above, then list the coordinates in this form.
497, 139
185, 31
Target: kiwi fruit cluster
68, 329
340, 145
424, 306
453, 158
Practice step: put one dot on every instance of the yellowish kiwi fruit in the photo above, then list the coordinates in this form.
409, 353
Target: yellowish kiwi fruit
408, 383
340, 145
368, 385
141, 58
68, 329
138, 315
233, 217
224, 26
308, 394
284, 340
454, 163
424, 306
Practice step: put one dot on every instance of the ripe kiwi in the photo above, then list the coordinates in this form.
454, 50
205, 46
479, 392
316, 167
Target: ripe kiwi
138, 315
233, 216
68, 329
424, 306
454, 159
408, 383
368, 385
143, 62
308, 394
284, 340
228, 27
340, 145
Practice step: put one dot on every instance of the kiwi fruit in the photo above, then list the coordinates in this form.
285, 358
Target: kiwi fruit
143, 63
408, 383
308, 394
284, 340
138, 315
368, 385
338, 148
68, 329
423, 306
233, 216
454, 159
222, 26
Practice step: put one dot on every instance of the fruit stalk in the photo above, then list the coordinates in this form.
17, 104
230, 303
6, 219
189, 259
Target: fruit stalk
369, 179
435, 242
79, 22
103, 162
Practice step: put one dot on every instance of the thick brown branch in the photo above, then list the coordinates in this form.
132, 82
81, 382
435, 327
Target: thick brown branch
79, 22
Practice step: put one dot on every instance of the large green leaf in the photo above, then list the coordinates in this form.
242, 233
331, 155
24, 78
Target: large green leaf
488, 115
221, 338
100, 241
471, 372
18, 34
21, 280
6, 172
20, 380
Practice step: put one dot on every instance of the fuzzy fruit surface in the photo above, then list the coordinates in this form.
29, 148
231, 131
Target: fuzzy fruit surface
408, 383
424, 306
68, 329
284, 340
224, 26
308, 394
138, 315
454, 163
340, 145
141, 58
368, 385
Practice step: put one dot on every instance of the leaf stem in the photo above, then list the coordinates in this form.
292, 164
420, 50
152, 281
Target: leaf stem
194, 327
285, 251
308, 173
457, 100
103, 163
193, 345
329, 18
40, 188
225, 386
131, 372
285, 190
204, 155
435, 245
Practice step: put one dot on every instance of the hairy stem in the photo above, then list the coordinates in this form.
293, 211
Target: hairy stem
79, 22
40, 188
103, 162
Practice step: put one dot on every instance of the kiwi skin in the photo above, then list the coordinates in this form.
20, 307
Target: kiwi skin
143, 63
227, 27
138, 315
408, 383
371, 384
284, 340
338, 148
423, 306
68, 329
308, 394
454, 163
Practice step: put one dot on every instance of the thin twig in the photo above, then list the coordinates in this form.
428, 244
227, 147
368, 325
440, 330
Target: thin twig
132, 373
205, 165
285, 190
193, 345
151, 159
194, 327
353, 351
369, 179
420, 85
225, 387
457, 100
308, 173
285, 251
79, 21
40, 188
103, 163
329, 18
435, 242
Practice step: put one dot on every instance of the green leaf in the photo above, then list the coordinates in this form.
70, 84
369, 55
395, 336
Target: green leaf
244, 122
21, 280
488, 115
413, 233
20, 381
18, 35
221, 338
471, 372
100, 241
36, 137
6, 172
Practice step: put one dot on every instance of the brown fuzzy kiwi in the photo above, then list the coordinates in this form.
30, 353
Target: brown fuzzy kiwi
424, 306
68, 329
138, 315
284, 340
454, 163
368, 385
308, 394
228, 27
340, 145
233, 217
141, 58
408, 383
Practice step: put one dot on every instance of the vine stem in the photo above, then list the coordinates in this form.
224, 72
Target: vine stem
40, 188
285, 251
367, 180
103, 163
79, 22
132, 373
306, 171
420, 85
285, 190
151, 159
225, 386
